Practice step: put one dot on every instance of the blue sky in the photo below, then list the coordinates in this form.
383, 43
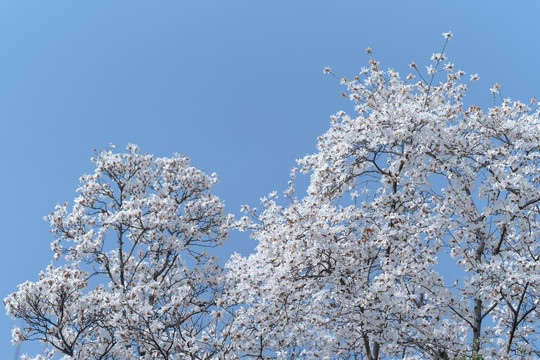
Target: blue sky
237, 86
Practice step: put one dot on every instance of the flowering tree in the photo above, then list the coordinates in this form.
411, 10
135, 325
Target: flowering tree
135, 279
418, 238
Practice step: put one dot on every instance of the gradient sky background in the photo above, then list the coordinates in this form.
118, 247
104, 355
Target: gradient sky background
235, 85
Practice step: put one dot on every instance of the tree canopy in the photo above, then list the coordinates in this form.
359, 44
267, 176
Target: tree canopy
418, 238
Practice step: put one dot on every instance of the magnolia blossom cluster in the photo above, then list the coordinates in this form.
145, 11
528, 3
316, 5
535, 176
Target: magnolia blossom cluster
418, 237
135, 279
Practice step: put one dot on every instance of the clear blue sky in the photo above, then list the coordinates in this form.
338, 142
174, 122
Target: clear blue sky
235, 85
